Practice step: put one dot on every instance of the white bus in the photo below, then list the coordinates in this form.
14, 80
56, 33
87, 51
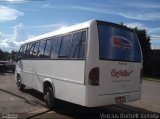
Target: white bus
92, 64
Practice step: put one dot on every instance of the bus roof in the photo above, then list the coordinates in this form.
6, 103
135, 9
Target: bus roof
75, 27
62, 30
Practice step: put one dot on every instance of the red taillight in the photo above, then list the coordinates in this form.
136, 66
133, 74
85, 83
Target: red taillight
94, 76
141, 75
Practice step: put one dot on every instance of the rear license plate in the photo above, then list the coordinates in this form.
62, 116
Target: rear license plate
120, 100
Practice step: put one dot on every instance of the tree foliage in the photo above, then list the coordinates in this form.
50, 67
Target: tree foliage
144, 40
7, 56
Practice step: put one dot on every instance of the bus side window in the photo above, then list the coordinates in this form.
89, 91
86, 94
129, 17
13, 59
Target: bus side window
31, 50
35, 51
81, 53
41, 49
78, 45
65, 46
56, 47
20, 53
27, 50
48, 48
24, 50
75, 44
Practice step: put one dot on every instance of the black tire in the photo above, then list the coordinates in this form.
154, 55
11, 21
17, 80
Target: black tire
49, 97
19, 84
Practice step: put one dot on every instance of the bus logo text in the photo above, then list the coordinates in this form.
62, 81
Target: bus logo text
120, 42
120, 73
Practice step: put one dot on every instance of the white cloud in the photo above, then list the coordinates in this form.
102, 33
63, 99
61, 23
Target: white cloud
134, 13
41, 27
3, 41
8, 45
74, 7
136, 24
140, 16
47, 26
154, 30
11, 42
46, 6
90, 9
130, 15
139, 10
14, 1
155, 37
8, 14
19, 33
143, 5
2, 36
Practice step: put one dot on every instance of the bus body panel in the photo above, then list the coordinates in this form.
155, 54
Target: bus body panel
72, 71
93, 100
119, 77
92, 57
67, 77
116, 78
70, 92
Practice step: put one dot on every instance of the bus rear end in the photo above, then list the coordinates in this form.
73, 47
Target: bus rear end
114, 66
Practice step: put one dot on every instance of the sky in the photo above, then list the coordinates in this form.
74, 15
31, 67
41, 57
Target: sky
24, 19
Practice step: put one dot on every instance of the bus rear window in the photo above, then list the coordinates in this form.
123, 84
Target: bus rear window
118, 44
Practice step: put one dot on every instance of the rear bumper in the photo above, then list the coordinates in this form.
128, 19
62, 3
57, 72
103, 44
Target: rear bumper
104, 100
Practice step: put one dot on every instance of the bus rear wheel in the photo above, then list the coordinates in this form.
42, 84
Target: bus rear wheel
49, 97
19, 83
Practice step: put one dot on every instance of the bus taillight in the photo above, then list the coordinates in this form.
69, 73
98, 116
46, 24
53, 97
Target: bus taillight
94, 76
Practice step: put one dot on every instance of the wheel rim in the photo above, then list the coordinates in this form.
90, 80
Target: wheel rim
48, 98
18, 82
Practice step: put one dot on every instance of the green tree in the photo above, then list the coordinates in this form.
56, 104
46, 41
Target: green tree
144, 40
2, 54
13, 55
8, 56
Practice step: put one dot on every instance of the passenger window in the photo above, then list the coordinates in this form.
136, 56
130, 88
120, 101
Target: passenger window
41, 49
20, 53
56, 47
48, 48
24, 50
31, 50
28, 50
82, 46
65, 46
78, 45
35, 51
75, 44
